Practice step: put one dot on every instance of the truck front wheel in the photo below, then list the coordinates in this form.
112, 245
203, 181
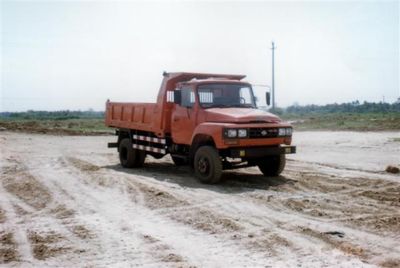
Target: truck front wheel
272, 165
129, 157
207, 165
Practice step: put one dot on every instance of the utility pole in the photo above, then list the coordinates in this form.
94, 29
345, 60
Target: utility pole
273, 74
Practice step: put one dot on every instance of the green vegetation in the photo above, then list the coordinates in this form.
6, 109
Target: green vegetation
345, 116
56, 115
350, 107
68, 126
345, 121
59, 122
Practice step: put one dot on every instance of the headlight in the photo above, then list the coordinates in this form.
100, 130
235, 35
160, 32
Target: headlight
282, 132
242, 133
232, 133
289, 131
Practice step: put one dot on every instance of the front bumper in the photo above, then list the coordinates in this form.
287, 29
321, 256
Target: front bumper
257, 152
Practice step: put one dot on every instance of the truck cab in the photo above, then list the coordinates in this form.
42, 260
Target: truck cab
223, 113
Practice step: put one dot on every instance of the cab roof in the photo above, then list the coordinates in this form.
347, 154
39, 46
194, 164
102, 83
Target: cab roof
173, 79
184, 76
212, 80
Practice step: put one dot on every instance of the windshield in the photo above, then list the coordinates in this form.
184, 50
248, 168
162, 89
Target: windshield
226, 95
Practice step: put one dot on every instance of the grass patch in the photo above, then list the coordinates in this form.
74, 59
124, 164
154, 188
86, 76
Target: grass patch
67, 126
345, 121
306, 121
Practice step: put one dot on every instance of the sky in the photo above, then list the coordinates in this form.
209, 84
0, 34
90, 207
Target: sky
58, 55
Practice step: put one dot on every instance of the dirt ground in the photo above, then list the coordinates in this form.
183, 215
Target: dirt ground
65, 201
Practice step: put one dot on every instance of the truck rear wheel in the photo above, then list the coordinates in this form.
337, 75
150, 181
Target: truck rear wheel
272, 165
207, 165
129, 157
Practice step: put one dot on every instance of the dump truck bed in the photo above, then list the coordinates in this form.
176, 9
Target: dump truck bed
130, 115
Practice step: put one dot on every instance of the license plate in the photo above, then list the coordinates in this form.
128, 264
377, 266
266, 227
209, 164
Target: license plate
288, 150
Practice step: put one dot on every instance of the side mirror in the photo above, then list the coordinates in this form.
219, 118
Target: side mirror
268, 98
177, 97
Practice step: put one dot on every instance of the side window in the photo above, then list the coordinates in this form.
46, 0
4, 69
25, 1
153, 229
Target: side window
206, 96
188, 98
170, 96
245, 96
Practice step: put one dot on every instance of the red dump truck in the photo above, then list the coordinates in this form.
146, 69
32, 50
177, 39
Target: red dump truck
208, 121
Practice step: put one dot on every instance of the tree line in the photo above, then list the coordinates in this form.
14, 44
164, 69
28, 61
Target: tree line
349, 107
52, 115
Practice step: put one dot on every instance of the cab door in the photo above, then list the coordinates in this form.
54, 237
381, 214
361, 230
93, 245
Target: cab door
184, 117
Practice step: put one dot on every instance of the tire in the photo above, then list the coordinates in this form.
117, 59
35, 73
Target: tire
129, 157
272, 165
178, 161
207, 165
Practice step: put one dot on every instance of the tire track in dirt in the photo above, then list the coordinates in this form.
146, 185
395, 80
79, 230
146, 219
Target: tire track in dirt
17, 181
34, 203
320, 207
164, 253
46, 245
258, 241
344, 246
22, 188
291, 187
2, 215
177, 208
79, 232
157, 200
310, 181
358, 201
325, 191
14, 243
196, 215
91, 174
336, 171
8, 248
78, 228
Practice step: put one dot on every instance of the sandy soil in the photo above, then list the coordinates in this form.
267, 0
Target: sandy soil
65, 201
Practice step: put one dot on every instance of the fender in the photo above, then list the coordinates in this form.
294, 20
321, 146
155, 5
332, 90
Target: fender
213, 130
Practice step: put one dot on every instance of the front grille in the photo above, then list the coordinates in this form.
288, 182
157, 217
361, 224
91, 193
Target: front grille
263, 132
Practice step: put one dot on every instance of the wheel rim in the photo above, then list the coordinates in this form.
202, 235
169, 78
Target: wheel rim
203, 165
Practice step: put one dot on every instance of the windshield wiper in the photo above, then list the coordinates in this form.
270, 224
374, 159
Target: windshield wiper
232, 105
221, 105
